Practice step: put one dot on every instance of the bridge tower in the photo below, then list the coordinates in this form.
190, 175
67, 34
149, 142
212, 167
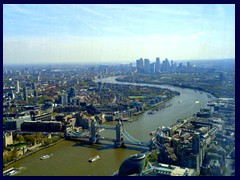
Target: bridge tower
66, 135
93, 131
119, 136
152, 144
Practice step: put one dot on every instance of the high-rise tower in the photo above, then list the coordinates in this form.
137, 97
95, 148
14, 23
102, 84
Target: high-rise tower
146, 65
139, 64
17, 87
25, 94
157, 65
196, 142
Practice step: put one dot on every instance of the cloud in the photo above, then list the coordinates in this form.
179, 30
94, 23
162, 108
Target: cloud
20, 9
105, 32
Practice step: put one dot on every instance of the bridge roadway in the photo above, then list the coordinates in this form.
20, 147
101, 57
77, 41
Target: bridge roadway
106, 127
120, 134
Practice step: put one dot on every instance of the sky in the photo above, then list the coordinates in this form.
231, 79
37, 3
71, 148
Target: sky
90, 33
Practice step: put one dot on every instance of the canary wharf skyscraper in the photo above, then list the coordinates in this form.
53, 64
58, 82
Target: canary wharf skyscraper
157, 65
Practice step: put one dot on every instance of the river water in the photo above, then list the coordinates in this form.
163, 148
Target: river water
70, 158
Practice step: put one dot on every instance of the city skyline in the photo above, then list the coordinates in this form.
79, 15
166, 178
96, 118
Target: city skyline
116, 32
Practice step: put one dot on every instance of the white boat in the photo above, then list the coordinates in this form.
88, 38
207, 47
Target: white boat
197, 102
11, 171
45, 156
95, 158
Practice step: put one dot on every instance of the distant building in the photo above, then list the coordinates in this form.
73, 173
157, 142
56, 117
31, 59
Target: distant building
17, 87
157, 66
139, 64
25, 94
64, 99
11, 95
146, 65
165, 66
72, 92
34, 87
152, 68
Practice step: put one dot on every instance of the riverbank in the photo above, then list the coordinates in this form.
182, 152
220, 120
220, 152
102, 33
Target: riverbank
31, 152
157, 105
175, 85
71, 157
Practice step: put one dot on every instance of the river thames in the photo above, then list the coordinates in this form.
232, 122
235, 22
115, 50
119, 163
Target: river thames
70, 158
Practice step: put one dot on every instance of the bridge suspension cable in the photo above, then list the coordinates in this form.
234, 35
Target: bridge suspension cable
132, 139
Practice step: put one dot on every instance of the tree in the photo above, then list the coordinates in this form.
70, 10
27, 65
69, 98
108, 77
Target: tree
30, 139
20, 138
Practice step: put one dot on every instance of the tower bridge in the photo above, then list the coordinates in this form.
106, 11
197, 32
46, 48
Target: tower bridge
122, 136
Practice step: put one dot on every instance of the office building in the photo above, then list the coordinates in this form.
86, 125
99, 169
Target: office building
146, 65
64, 99
196, 142
41, 126
165, 66
157, 65
25, 94
17, 87
139, 64
72, 92
152, 68
132, 165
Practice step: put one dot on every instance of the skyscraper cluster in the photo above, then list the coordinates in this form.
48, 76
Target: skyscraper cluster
145, 67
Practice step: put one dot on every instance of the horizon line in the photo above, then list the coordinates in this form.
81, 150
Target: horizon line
113, 62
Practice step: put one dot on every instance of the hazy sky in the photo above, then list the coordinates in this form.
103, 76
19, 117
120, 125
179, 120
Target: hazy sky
117, 32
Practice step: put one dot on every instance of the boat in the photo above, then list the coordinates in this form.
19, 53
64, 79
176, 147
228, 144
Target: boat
150, 113
11, 171
197, 102
179, 101
45, 156
211, 103
95, 158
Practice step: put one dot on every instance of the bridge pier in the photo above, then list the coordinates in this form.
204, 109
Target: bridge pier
119, 136
66, 135
93, 131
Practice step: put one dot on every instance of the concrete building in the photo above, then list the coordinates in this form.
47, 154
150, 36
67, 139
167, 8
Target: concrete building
165, 66
7, 139
72, 92
83, 120
10, 124
196, 143
41, 126
64, 99
157, 65
11, 95
152, 68
17, 87
139, 64
36, 116
25, 94
146, 65
161, 169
